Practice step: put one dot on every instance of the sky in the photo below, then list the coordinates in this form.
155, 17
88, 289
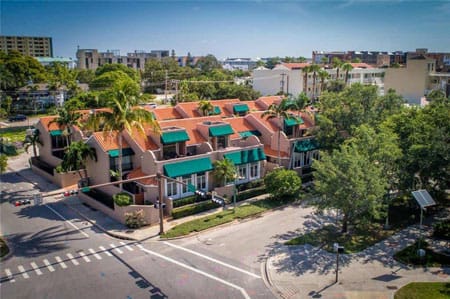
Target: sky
239, 28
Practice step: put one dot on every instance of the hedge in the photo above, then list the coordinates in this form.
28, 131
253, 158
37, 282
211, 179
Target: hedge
188, 200
193, 209
250, 193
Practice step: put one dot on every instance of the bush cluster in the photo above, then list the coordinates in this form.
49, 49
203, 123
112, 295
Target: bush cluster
189, 200
135, 219
442, 230
122, 199
193, 209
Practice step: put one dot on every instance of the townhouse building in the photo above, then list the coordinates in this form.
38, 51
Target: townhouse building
185, 148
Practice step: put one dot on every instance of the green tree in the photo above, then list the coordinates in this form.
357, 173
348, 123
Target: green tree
65, 120
85, 76
305, 71
224, 171
347, 181
283, 183
3, 162
208, 63
206, 107
314, 69
124, 115
117, 67
32, 140
280, 113
346, 67
323, 75
337, 64
75, 157
106, 80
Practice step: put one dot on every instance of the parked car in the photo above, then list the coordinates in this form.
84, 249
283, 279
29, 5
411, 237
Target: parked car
18, 117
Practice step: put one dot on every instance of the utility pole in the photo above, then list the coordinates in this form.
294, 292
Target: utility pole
165, 89
176, 89
282, 82
287, 84
161, 214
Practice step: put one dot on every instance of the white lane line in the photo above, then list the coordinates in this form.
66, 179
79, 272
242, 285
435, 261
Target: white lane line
62, 217
36, 268
241, 289
72, 259
212, 259
105, 251
95, 254
10, 276
49, 266
60, 262
83, 255
126, 246
24, 273
117, 249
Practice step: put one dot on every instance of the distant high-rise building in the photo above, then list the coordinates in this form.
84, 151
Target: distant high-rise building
35, 46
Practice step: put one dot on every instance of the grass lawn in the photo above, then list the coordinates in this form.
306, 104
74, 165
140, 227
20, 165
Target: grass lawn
358, 240
206, 222
409, 256
3, 248
424, 290
14, 134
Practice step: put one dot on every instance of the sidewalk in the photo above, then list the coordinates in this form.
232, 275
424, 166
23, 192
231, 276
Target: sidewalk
309, 272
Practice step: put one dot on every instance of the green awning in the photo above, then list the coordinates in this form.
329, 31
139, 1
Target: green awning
240, 108
305, 145
174, 136
220, 130
174, 170
243, 157
55, 133
293, 121
125, 152
250, 133
216, 110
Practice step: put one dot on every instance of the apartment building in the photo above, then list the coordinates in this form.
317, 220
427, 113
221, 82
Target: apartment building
35, 46
289, 78
92, 58
244, 64
375, 58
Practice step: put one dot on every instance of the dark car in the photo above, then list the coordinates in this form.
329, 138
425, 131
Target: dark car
18, 117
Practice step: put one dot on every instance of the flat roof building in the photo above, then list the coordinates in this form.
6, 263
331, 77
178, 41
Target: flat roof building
35, 46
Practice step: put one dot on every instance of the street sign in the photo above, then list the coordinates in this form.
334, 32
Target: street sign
37, 199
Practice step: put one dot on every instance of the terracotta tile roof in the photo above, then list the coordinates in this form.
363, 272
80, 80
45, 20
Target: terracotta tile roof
45, 121
136, 173
267, 101
190, 124
268, 123
361, 65
295, 66
143, 140
190, 108
274, 152
222, 103
253, 106
109, 141
165, 113
239, 124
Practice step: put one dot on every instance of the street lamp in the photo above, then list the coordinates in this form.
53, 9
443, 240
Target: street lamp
338, 249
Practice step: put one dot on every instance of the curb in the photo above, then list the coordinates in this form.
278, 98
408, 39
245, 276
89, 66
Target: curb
114, 235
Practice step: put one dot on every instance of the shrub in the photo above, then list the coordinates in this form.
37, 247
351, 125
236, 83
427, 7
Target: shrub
193, 209
135, 219
250, 193
189, 200
441, 230
282, 183
122, 199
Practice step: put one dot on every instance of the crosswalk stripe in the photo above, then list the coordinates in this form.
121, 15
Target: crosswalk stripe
74, 261
105, 251
117, 249
49, 266
24, 273
83, 255
36, 268
95, 254
126, 246
60, 262
10, 276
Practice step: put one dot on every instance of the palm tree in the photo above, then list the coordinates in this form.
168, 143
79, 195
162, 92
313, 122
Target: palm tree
305, 71
76, 155
323, 75
337, 63
347, 67
124, 115
314, 68
279, 112
224, 171
65, 120
32, 140
300, 102
206, 107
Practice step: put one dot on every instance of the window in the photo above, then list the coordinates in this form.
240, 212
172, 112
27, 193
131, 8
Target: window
242, 169
254, 170
201, 181
187, 179
127, 163
170, 151
221, 142
298, 158
171, 188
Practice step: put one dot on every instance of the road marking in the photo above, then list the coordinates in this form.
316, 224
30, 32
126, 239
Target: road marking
72, 259
117, 249
126, 246
60, 262
95, 254
10, 276
83, 255
36, 268
213, 260
105, 251
49, 266
62, 217
24, 273
241, 289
